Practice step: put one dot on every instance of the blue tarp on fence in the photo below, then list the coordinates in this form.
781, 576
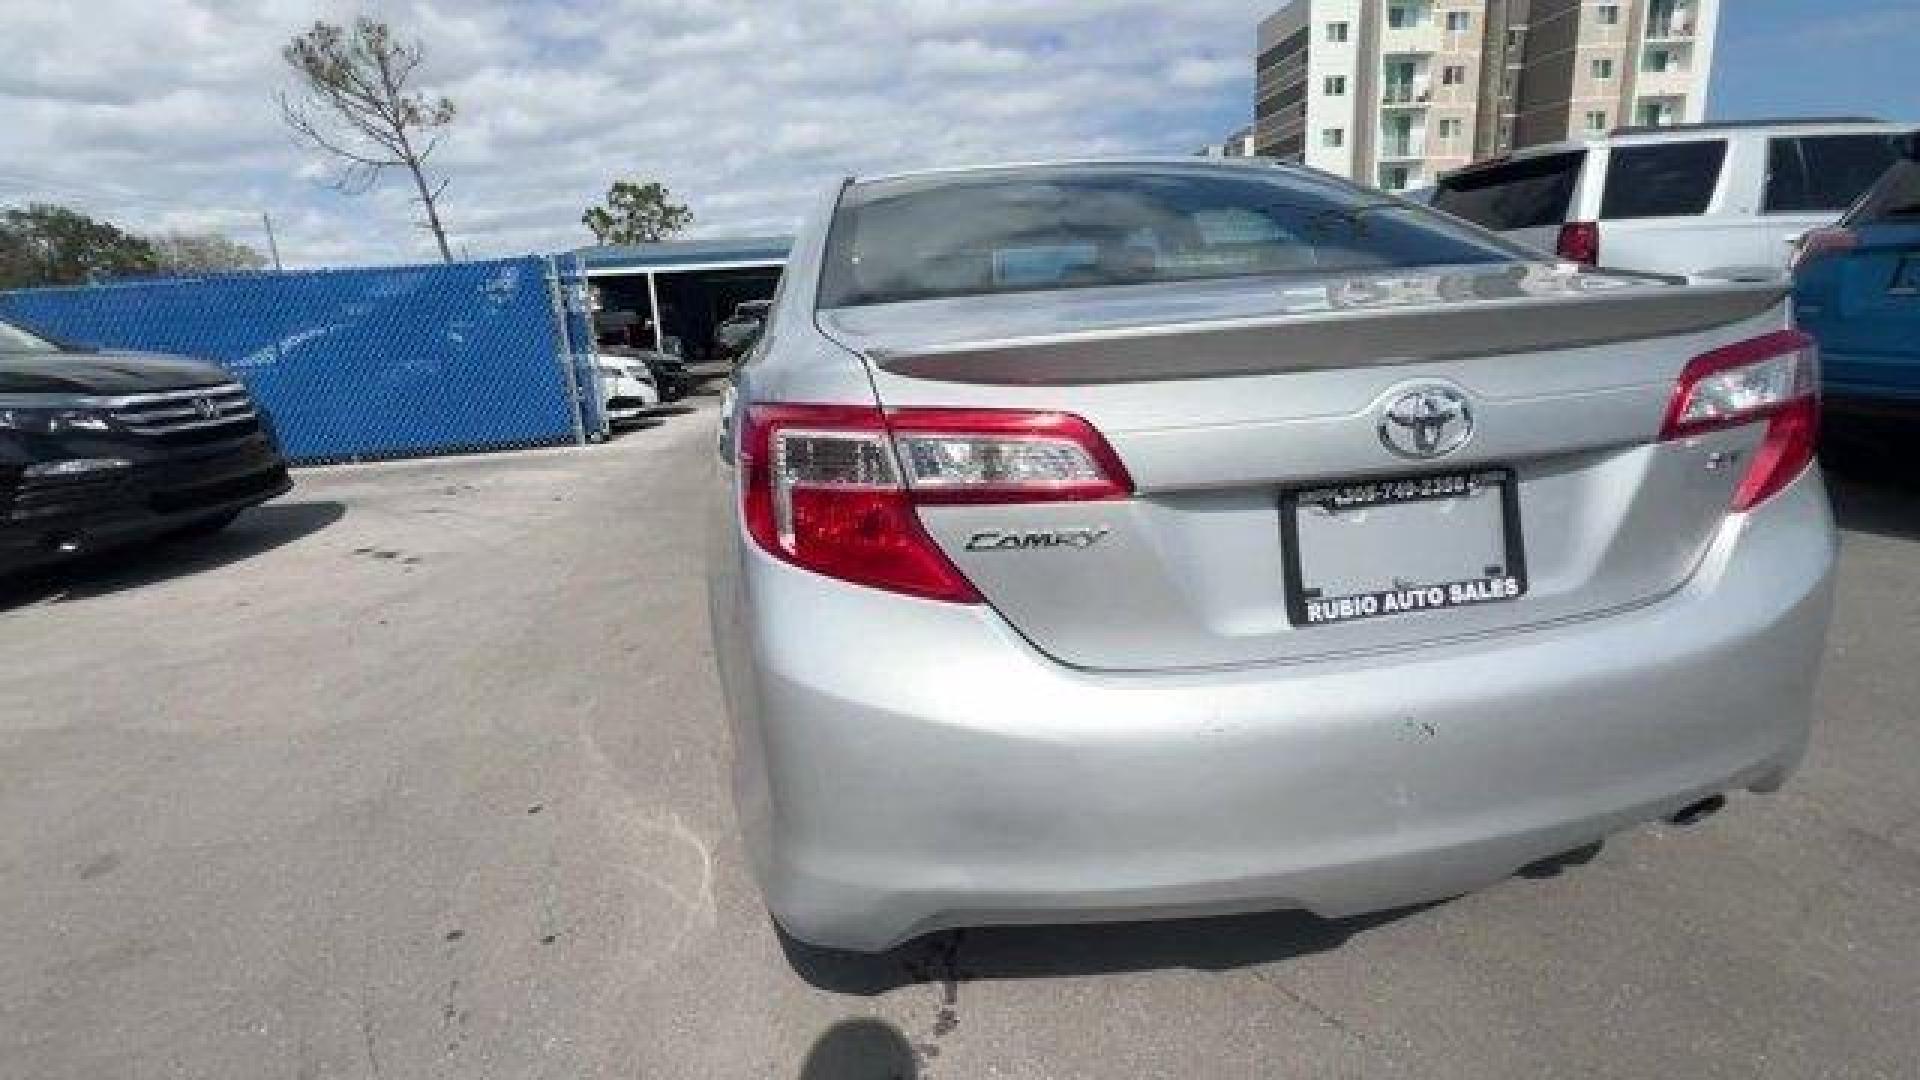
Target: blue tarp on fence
363, 363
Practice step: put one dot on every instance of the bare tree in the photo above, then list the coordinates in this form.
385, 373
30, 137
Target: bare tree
204, 253
355, 102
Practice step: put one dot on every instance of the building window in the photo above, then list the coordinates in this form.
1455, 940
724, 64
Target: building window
1403, 16
1336, 32
1459, 22
1667, 19
1510, 82
1607, 14
1397, 87
1597, 120
1395, 177
1660, 60
1603, 68
1659, 112
1334, 137
1396, 137
1453, 75
1336, 85
1450, 127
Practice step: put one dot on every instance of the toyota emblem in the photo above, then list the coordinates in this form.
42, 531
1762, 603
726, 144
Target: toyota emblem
1427, 422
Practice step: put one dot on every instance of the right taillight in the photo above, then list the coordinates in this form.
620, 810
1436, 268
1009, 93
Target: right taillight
834, 489
1773, 380
1579, 242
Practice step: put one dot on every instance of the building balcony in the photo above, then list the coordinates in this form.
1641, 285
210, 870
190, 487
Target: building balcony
1392, 149
1405, 95
1677, 29
1670, 81
1422, 38
1663, 111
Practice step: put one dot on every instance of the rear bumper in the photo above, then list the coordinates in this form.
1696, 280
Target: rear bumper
44, 520
905, 766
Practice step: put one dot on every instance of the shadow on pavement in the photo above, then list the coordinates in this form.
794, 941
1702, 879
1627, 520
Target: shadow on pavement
620, 429
1559, 864
256, 531
860, 1049
1875, 505
952, 957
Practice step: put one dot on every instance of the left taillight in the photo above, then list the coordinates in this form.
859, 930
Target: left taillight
1773, 380
834, 489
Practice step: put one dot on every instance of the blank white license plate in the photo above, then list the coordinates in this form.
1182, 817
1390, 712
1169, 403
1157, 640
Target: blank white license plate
1374, 548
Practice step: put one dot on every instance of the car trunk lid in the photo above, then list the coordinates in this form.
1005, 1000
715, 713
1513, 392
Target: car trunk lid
1227, 400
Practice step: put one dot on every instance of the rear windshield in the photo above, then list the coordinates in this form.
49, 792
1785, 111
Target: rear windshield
1662, 180
1818, 174
1532, 193
1895, 198
1025, 230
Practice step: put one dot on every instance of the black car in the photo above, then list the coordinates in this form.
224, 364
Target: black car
103, 448
736, 337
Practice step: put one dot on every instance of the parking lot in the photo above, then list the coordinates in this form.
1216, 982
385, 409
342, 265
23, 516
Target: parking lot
421, 771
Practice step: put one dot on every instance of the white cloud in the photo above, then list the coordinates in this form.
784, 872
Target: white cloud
1206, 72
155, 112
967, 56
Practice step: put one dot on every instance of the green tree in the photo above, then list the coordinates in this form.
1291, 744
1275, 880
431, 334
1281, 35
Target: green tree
637, 213
53, 245
356, 103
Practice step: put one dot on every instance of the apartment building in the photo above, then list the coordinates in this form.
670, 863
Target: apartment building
1237, 145
1394, 92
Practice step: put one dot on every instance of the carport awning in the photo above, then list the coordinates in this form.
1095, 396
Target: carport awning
684, 255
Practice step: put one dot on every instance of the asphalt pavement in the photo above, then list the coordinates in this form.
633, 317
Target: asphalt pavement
420, 772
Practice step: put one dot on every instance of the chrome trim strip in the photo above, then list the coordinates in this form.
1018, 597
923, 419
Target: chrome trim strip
123, 401
134, 400
127, 416
168, 429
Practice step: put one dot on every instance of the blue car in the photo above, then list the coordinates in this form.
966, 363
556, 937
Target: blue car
1857, 289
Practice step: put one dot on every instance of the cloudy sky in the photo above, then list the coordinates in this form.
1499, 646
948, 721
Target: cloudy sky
159, 113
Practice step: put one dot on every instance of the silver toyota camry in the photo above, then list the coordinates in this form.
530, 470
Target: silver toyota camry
1126, 539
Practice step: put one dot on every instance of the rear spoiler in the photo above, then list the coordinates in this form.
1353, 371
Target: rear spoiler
1321, 340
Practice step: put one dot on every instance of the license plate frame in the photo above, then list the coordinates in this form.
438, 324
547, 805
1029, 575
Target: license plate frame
1398, 490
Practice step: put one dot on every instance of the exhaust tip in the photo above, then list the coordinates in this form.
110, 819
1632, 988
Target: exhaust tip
1695, 813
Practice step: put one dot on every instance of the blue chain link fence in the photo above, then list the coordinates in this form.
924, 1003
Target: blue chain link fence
367, 363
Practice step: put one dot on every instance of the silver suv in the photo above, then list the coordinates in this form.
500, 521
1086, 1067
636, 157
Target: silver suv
1709, 200
1112, 540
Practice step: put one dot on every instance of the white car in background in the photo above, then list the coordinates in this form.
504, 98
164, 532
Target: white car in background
626, 386
1700, 200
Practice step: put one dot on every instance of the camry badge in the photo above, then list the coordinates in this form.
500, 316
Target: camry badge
1028, 539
